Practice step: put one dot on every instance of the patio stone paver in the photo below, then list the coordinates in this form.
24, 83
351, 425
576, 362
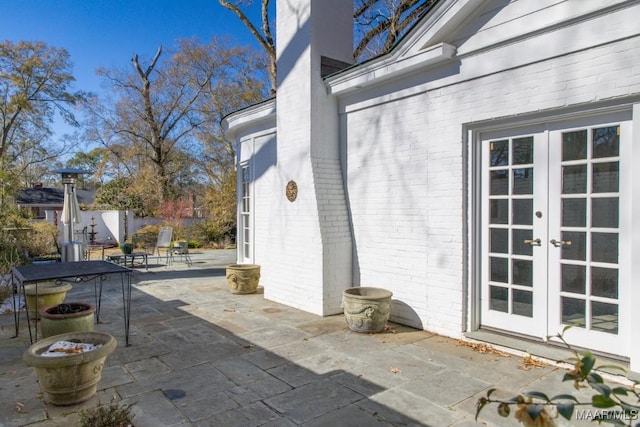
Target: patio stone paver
312, 400
201, 356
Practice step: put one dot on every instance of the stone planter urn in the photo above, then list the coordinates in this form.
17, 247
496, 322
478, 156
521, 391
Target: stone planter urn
72, 376
366, 309
49, 293
243, 278
66, 317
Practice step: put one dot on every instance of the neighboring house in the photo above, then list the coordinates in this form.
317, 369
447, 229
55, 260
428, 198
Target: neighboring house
40, 199
485, 170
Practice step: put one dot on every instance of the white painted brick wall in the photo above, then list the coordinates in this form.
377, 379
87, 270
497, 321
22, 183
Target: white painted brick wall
263, 172
414, 161
405, 171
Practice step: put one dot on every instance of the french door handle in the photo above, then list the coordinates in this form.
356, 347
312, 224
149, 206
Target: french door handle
560, 243
533, 242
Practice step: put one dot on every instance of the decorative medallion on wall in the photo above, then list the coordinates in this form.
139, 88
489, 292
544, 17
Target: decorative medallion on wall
292, 191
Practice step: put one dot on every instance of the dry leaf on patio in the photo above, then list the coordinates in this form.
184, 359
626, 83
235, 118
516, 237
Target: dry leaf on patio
483, 348
395, 370
230, 310
19, 406
529, 362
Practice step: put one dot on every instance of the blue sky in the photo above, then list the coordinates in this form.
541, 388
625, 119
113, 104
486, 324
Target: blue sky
109, 32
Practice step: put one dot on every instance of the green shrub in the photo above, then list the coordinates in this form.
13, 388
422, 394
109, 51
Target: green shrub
41, 239
212, 233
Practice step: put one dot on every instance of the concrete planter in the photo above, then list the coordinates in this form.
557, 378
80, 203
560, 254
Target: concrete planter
126, 248
48, 294
243, 278
72, 378
67, 317
366, 309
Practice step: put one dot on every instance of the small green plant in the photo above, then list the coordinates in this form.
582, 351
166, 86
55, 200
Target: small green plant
112, 416
611, 403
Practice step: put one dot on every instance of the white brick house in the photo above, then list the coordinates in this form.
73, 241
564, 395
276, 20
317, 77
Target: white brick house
485, 170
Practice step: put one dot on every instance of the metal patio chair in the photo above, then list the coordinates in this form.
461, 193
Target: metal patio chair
164, 243
181, 248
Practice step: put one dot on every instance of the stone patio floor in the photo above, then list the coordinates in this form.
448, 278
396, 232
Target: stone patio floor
201, 356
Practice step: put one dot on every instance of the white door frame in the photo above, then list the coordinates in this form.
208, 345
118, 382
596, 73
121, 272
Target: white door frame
629, 257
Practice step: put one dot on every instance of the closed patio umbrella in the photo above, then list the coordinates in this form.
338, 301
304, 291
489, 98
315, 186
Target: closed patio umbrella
71, 214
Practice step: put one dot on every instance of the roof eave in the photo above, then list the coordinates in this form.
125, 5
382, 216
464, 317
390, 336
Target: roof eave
387, 68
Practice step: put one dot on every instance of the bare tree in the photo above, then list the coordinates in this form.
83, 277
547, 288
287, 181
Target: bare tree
378, 26
263, 36
158, 123
380, 23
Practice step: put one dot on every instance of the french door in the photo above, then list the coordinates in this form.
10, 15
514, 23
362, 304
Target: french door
553, 230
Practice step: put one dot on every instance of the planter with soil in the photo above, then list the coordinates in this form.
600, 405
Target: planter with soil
67, 317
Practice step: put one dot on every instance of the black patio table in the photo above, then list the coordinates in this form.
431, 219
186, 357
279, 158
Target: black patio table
73, 272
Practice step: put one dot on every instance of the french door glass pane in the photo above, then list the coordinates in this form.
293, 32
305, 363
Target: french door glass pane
574, 179
574, 212
500, 240
499, 299
523, 303
522, 211
518, 245
499, 270
573, 311
522, 272
573, 278
499, 153
604, 282
606, 142
605, 212
606, 177
499, 182
523, 150
499, 211
575, 246
604, 317
604, 247
523, 181
574, 145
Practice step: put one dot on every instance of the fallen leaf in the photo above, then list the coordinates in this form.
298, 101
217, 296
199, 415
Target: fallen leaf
19, 406
230, 310
395, 370
529, 362
483, 348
